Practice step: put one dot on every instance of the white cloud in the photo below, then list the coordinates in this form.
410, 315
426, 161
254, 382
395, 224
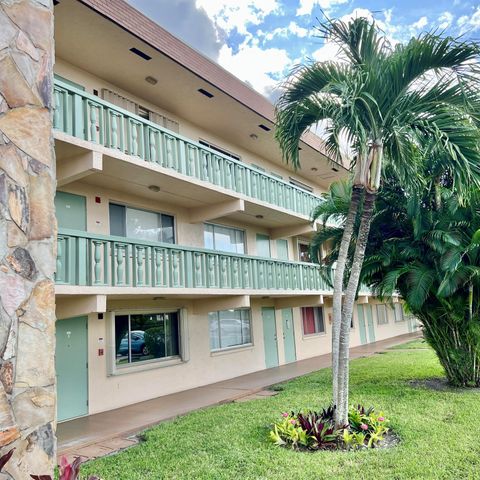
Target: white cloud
255, 66
445, 19
469, 23
229, 15
306, 6
293, 29
420, 23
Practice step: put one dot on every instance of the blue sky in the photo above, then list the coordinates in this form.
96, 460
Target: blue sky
261, 40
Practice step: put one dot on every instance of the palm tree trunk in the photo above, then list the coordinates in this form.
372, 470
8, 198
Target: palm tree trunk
350, 293
338, 284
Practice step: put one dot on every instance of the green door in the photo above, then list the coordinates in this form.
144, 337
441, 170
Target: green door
270, 337
71, 368
282, 249
371, 325
263, 245
361, 325
71, 211
288, 335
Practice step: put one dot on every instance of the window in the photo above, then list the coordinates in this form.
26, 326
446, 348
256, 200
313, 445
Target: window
229, 328
141, 224
282, 249
382, 316
219, 149
225, 239
398, 309
304, 252
263, 245
313, 322
142, 337
299, 184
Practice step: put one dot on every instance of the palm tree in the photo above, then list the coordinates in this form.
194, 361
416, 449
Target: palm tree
387, 102
431, 255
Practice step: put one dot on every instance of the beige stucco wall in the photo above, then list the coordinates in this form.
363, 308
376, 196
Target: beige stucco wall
187, 234
131, 385
188, 129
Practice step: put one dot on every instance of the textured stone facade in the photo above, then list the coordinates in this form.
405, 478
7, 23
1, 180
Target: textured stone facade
27, 238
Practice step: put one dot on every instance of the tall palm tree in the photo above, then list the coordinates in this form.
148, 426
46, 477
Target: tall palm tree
387, 102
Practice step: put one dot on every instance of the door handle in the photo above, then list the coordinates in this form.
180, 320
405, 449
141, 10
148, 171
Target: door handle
275, 337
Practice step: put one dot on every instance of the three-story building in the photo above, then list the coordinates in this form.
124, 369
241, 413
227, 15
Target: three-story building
182, 237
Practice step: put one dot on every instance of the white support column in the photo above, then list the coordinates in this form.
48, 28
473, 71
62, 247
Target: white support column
204, 305
80, 166
210, 212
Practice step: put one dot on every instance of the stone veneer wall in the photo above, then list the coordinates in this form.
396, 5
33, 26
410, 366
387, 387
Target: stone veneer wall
27, 238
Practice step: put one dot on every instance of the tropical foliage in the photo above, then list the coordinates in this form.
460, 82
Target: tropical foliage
317, 430
391, 104
425, 245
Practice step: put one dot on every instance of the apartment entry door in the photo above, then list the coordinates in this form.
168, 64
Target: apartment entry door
71, 368
288, 335
270, 337
365, 324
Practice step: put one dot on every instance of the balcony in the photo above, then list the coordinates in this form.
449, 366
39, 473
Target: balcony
90, 119
89, 260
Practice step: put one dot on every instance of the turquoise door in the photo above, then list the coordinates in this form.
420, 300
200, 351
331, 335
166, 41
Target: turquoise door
371, 325
71, 368
263, 245
282, 249
71, 211
361, 325
270, 337
288, 335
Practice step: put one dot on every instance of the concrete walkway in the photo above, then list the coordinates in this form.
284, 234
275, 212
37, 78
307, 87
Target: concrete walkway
104, 433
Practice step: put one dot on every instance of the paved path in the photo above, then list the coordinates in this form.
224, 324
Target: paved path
104, 433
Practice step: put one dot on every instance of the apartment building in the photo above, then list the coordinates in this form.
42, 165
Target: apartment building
183, 239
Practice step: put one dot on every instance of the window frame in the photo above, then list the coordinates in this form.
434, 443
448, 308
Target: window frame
129, 206
377, 309
245, 252
307, 244
218, 149
230, 347
183, 348
395, 312
320, 333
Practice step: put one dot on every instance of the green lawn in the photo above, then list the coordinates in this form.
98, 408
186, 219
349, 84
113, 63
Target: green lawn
438, 430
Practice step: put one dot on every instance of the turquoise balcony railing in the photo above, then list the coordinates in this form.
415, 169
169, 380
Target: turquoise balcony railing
98, 260
89, 118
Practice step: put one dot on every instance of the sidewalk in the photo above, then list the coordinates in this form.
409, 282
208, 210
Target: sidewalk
104, 433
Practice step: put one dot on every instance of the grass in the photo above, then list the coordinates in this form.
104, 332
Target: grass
439, 437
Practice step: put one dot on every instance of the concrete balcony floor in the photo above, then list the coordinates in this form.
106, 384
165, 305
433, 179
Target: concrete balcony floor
104, 433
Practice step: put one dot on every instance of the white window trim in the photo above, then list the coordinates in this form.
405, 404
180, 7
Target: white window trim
141, 207
231, 349
395, 314
184, 347
316, 334
233, 228
387, 320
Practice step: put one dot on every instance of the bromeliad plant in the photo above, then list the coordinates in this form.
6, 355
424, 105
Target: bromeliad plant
317, 431
365, 427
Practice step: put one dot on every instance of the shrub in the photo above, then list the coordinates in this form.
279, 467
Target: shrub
316, 430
